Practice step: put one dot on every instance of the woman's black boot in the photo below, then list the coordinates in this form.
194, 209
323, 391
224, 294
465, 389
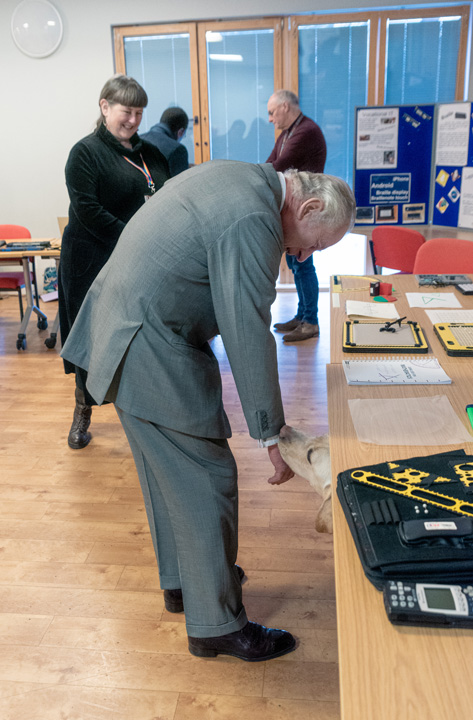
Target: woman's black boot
79, 436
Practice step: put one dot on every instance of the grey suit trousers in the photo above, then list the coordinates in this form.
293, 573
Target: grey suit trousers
190, 491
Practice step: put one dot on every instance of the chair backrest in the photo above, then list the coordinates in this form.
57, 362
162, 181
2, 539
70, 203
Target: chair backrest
445, 255
13, 232
395, 247
62, 222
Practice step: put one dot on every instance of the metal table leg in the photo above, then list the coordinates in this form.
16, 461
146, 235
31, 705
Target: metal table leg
50, 342
30, 307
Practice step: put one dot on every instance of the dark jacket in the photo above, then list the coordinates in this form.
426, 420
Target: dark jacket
175, 153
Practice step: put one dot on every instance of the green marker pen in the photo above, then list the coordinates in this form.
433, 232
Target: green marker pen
469, 412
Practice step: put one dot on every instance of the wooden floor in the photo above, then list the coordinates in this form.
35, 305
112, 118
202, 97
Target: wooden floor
83, 631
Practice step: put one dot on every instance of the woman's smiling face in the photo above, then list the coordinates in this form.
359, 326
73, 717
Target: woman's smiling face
121, 121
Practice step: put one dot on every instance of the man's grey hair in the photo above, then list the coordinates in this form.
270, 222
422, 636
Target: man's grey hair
286, 96
339, 201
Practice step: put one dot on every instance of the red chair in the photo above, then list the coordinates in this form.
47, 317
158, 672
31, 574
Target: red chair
444, 255
395, 248
10, 281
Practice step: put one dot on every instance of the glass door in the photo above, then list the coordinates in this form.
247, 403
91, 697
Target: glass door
240, 66
332, 72
163, 59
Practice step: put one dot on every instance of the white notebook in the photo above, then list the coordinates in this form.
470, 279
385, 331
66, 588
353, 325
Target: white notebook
395, 371
358, 309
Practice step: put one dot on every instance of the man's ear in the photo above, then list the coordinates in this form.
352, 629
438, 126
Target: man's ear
312, 205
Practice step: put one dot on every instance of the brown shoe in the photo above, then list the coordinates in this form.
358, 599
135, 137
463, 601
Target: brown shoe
287, 326
303, 332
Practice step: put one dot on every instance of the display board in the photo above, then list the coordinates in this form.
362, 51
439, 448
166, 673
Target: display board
393, 160
453, 169
414, 164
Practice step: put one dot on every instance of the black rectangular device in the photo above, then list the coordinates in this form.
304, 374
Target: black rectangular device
429, 604
441, 280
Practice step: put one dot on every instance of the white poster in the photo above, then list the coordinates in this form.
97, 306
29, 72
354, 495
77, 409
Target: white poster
377, 138
465, 216
453, 128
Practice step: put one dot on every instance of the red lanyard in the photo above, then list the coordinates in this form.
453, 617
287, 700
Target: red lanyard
145, 172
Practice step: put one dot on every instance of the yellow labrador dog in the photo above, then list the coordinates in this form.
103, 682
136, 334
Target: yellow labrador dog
309, 457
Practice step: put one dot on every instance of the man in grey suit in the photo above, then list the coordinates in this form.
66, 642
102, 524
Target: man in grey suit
200, 257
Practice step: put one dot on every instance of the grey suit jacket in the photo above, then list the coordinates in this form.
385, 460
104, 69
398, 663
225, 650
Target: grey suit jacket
200, 257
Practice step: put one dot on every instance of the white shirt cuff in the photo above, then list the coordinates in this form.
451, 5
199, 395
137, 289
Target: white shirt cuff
269, 441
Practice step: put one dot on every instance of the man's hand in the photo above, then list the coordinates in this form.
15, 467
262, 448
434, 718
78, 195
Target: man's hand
282, 471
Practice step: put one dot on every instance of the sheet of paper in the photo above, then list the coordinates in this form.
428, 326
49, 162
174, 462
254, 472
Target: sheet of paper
47, 297
377, 145
377, 311
465, 218
450, 316
408, 421
433, 300
453, 125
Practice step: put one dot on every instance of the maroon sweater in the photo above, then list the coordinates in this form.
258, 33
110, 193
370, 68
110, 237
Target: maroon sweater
302, 147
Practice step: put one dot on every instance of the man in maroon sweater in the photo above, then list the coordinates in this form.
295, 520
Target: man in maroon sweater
301, 145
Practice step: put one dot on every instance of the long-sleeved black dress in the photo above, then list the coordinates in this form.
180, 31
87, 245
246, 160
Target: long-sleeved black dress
105, 191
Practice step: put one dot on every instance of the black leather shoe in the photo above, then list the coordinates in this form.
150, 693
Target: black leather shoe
253, 643
173, 598
287, 326
173, 601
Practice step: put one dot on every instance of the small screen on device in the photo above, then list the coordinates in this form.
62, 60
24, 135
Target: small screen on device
439, 598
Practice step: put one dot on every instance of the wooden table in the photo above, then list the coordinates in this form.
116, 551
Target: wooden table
391, 672
53, 252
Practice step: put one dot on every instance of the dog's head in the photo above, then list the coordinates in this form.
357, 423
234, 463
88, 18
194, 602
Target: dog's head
309, 457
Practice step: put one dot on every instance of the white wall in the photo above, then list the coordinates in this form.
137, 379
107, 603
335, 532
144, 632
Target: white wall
48, 104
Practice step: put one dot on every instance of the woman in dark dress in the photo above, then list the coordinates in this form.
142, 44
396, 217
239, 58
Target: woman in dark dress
109, 176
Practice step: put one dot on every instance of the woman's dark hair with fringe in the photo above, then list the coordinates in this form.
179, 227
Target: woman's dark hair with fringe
123, 90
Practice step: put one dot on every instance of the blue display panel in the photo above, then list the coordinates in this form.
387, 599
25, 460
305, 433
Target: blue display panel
393, 162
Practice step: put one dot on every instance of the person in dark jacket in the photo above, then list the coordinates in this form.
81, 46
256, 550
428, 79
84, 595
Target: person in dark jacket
167, 136
109, 176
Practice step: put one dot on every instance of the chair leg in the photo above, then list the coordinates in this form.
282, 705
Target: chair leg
373, 259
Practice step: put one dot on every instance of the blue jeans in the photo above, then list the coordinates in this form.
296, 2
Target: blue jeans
307, 286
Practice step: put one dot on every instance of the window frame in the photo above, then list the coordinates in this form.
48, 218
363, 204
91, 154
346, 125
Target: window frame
286, 52
441, 11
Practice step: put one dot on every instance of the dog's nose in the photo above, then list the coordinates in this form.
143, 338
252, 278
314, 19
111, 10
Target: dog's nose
285, 432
